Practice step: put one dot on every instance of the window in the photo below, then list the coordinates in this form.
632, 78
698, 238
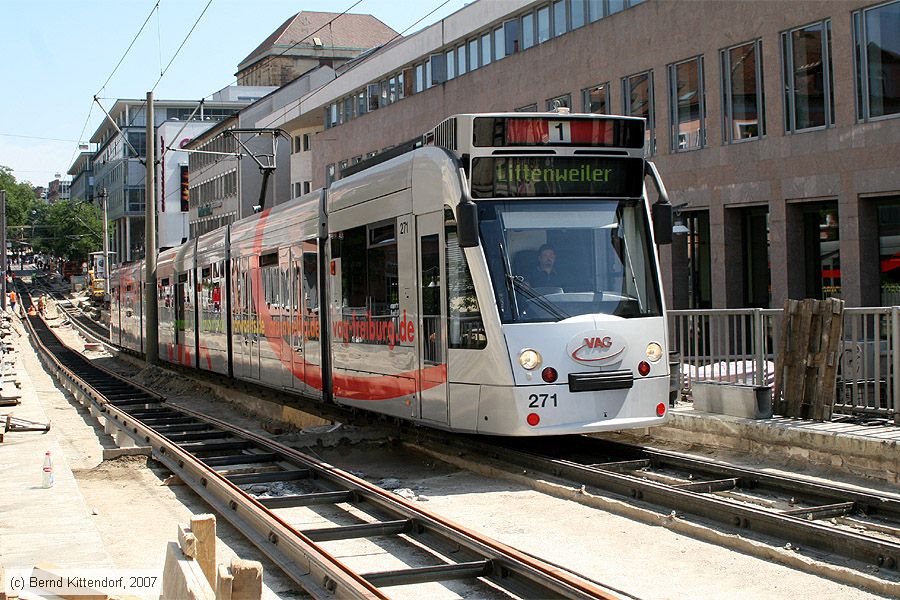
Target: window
876, 37
543, 24
638, 102
473, 54
808, 88
428, 81
298, 144
465, 328
401, 86
306, 141
373, 91
461, 60
559, 18
527, 31
306, 187
563, 101
615, 6
499, 44
595, 10
743, 115
595, 99
686, 99
486, 53
361, 103
527, 108
348, 109
438, 68
511, 35
579, 9
409, 82
369, 280
451, 64
420, 78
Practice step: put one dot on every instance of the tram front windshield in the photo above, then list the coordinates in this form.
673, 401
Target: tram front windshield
554, 259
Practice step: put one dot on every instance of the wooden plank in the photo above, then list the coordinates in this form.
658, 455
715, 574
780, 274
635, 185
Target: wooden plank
811, 400
796, 358
224, 584
187, 541
778, 392
182, 578
247, 584
204, 529
833, 357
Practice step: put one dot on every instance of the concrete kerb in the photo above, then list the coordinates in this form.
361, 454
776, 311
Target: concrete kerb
801, 443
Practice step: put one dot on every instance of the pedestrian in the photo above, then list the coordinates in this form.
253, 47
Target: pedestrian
12, 301
41, 304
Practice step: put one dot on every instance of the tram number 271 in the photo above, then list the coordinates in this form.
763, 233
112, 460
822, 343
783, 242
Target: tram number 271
540, 400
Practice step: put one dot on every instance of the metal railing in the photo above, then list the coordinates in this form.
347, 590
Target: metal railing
739, 345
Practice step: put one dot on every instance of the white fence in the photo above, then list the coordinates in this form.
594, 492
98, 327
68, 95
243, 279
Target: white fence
738, 345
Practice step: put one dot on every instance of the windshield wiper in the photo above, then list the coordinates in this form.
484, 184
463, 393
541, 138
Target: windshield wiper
539, 299
510, 282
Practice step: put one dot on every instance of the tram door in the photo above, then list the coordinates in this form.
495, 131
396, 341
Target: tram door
251, 319
297, 318
432, 318
180, 345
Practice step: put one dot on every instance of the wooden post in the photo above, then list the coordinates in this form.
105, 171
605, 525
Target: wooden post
204, 529
247, 583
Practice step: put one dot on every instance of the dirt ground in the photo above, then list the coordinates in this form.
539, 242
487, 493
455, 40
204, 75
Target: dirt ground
646, 561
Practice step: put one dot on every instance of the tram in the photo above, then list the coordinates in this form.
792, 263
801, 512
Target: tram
501, 278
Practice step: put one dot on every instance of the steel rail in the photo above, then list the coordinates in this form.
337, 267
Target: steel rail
296, 552
694, 498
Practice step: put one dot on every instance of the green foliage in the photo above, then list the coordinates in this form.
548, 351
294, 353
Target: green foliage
68, 229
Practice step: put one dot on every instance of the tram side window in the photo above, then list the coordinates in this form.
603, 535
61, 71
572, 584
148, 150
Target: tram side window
369, 280
465, 329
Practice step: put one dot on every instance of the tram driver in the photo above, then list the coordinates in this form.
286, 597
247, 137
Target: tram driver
544, 274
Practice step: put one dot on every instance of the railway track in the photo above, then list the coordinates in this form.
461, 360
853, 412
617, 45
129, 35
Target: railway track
223, 463
832, 520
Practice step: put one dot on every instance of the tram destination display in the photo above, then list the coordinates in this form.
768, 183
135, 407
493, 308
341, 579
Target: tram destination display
541, 176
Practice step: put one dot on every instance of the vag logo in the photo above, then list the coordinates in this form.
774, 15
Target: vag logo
595, 347
596, 342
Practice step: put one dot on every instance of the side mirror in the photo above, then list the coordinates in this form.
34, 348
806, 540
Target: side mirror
467, 224
662, 223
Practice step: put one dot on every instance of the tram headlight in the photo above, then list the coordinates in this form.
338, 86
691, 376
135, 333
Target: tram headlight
529, 359
654, 352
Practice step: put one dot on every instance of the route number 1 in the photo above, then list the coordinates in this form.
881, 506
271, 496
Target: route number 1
560, 132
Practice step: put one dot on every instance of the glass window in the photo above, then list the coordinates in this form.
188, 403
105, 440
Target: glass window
451, 64
392, 90
543, 24
615, 6
486, 54
686, 99
876, 34
369, 282
499, 44
361, 103
550, 261
638, 102
595, 10
527, 31
465, 328
473, 54
420, 78
822, 244
428, 80
889, 251
744, 110
527, 108
409, 81
595, 99
559, 18
461, 60
374, 93
348, 109
579, 8
808, 89
511, 35
563, 101
306, 142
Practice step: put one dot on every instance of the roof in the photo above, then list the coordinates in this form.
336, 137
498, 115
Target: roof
345, 31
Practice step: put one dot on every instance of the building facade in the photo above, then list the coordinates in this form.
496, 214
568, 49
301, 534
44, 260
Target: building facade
774, 124
308, 40
82, 172
121, 150
227, 162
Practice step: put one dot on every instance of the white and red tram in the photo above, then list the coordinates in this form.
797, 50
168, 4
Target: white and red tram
419, 287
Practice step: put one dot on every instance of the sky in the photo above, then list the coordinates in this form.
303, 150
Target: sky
58, 54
